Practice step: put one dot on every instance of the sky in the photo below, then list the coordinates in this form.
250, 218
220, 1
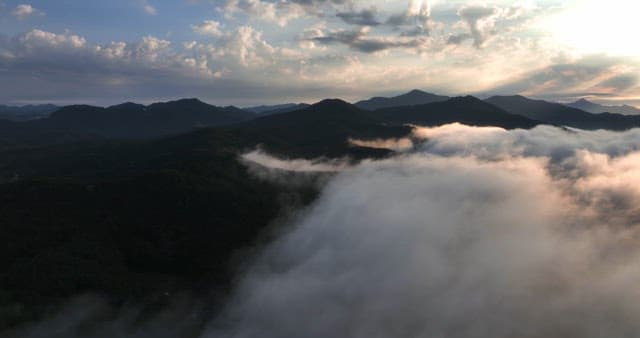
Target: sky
249, 52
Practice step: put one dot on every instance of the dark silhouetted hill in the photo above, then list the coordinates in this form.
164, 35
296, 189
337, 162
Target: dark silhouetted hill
277, 109
467, 110
129, 220
135, 121
412, 98
21, 135
26, 113
596, 108
558, 114
323, 129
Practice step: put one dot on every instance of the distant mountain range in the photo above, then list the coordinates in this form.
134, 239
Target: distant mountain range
321, 129
310, 127
412, 98
468, 110
559, 114
123, 121
595, 108
26, 113
277, 109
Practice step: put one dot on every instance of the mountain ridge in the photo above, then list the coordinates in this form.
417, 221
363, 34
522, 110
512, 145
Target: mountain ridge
559, 114
595, 108
27, 112
463, 109
411, 98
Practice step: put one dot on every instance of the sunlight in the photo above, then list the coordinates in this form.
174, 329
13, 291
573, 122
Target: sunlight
593, 26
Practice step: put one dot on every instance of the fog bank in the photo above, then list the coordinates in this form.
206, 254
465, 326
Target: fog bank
478, 232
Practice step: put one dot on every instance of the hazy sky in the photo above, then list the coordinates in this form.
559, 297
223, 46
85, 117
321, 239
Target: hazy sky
247, 52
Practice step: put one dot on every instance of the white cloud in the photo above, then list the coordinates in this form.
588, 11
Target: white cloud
208, 27
148, 8
477, 241
38, 40
24, 11
279, 12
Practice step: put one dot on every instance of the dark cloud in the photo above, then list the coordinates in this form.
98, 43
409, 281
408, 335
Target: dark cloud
414, 21
620, 83
480, 28
458, 38
320, 2
360, 41
415, 31
365, 17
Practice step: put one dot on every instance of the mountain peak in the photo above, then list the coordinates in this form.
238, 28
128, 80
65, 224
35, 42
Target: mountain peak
597, 108
188, 101
465, 99
416, 92
332, 103
127, 106
411, 98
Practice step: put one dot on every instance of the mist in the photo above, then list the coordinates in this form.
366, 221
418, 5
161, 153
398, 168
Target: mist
472, 232
476, 232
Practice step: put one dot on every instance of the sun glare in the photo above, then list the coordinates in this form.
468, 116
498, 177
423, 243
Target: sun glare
593, 26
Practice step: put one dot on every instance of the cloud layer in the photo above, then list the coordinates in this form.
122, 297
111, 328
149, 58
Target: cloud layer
481, 232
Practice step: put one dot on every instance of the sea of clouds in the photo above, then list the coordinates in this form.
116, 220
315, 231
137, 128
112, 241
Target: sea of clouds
471, 232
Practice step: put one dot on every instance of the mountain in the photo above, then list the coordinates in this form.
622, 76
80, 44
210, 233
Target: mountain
412, 98
130, 220
595, 108
555, 113
322, 129
26, 113
22, 135
468, 110
142, 219
276, 109
136, 121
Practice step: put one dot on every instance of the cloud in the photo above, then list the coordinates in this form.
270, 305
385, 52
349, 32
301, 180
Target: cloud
364, 17
24, 11
454, 244
332, 48
414, 21
150, 66
263, 159
278, 12
293, 172
360, 40
481, 23
417, 13
401, 144
208, 27
282, 12
148, 8
38, 40
569, 78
